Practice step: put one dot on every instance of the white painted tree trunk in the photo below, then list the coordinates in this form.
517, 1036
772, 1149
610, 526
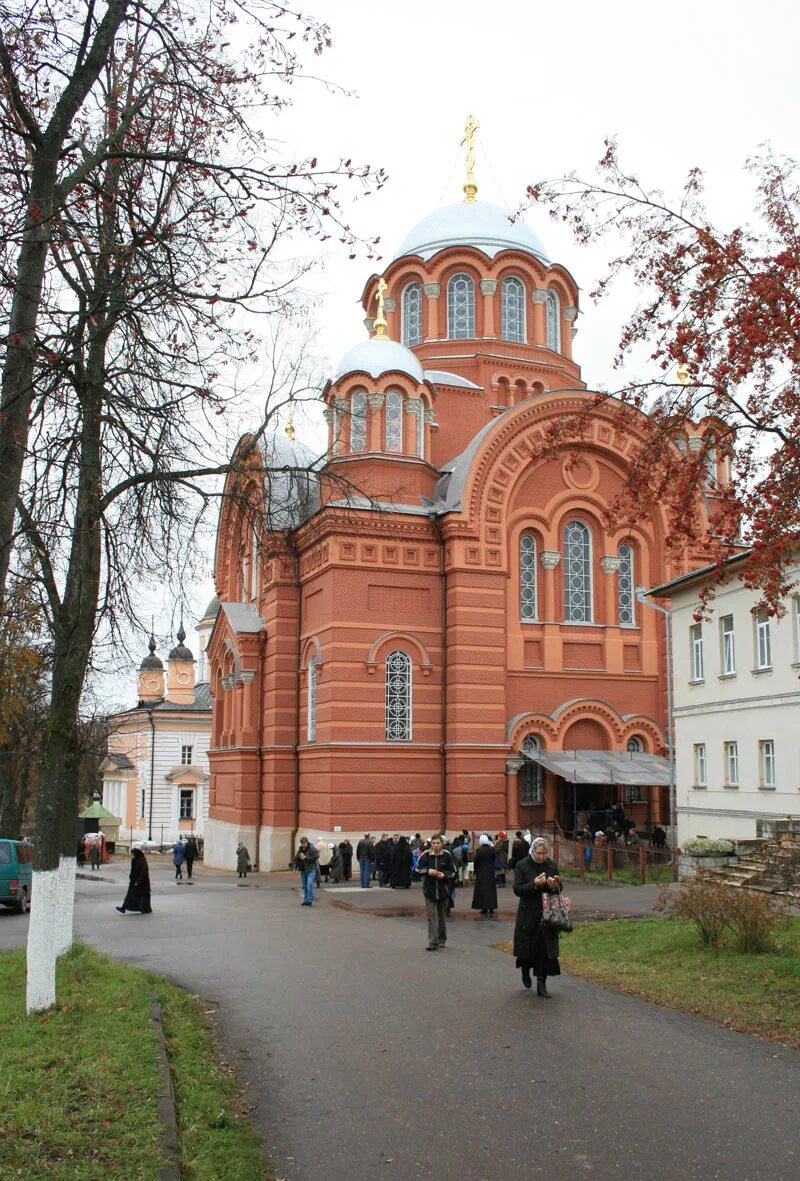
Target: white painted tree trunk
49, 930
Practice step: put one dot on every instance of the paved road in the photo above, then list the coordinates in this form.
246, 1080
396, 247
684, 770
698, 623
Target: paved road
366, 1057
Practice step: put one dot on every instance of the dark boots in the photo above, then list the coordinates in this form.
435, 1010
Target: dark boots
541, 987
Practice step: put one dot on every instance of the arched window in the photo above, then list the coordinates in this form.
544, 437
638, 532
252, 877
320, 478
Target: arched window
419, 428
412, 315
311, 715
577, 573
358, 421
633, 792
513, 310
625, 582
531, 773
527, 577
553, 309
394, 421
398, 697
460, 308
635, 745
337, 428
254, 562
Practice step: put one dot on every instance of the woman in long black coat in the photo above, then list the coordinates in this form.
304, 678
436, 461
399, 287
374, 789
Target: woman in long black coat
484, 896
400, 873
138, 896
535, 946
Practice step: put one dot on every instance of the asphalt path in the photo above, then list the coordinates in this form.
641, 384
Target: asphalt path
366, 1057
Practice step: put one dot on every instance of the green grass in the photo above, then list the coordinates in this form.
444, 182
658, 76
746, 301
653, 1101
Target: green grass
78, 1083
663, 960
628, 876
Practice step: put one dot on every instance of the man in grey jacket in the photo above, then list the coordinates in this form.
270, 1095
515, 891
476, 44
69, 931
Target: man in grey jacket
438, 870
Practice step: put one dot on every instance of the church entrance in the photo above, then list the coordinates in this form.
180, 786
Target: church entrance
585, 803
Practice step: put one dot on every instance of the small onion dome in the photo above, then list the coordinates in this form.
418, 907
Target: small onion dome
151, 661
211, 612
376, 357
180, 651
471, 223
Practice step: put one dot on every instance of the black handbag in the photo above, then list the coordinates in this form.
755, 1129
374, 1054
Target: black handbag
556, 913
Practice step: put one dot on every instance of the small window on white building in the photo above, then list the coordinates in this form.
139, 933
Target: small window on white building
766, 761
763, 640
731, 752
696, 650
186, 805
700, 779
186, 755
727, 646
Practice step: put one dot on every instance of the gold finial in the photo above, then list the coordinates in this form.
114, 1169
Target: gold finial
682, 374
380, 319
470, 188
290, 431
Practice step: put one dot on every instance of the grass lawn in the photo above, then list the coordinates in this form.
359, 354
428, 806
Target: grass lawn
663, 960
78, 1083
625, 877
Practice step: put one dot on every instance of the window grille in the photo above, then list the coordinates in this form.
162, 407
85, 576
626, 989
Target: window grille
527, 577
394, 421
412, 315
311, 713
531, 773
577, 573
460, 308
398, 697
513, 310
553, 309
625, 583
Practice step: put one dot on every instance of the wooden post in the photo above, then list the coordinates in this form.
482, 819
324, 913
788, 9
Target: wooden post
610, 862
642, 866
582, 866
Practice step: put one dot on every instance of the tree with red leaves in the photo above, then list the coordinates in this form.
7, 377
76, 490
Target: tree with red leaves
720, 316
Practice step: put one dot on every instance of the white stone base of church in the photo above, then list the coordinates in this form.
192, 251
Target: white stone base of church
221, 840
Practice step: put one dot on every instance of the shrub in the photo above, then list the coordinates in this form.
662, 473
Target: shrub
705, 847
704, 902
752, 918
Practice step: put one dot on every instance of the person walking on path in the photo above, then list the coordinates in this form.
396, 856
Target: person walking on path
535, 946
138, 897
94, 855
306, 860
242, 860
501, 852
335, 867
178, 858
400, 875
347, 859
438, 869
365, 856
190, 855
484, 895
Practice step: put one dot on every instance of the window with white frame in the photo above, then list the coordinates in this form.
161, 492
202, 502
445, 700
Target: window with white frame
766, 763
763, 638
186, 804
531, 772
527, 578
419, 424
696, 651
358, 421
412, 315
187, 753
254, 562
553, 317
700, 779
731, 756
577, 573
398, 697
625, 582
311, 711
727, 646
460, 307
394, 421
513, 310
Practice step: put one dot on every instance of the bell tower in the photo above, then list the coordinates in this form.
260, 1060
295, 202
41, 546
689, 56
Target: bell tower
180, 678
151, 677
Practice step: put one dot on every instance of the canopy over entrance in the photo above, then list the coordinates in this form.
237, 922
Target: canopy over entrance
629, 768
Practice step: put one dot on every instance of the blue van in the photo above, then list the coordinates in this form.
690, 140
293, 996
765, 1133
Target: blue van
16, 872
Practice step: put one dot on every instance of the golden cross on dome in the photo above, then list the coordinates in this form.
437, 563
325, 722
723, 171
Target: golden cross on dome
470, 188
380, 319
682, 374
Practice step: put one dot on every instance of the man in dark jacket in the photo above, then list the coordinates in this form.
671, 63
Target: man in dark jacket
519, 849
306, 860
437, 869
365, 856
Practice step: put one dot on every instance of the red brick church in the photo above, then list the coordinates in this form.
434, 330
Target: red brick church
437, 630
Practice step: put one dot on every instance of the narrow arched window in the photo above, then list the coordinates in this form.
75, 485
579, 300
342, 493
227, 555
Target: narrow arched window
531, 772
513, 310
460, 308
398, 697
394, 421
254, 562
625, 582
527, 577
553, 309
577, 573
412, 315
337, 428
358, 421
311, 714
635, 745
419, 428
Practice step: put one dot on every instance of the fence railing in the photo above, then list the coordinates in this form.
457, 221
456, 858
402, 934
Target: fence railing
632, 866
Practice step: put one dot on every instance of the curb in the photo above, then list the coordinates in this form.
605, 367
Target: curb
165, 1101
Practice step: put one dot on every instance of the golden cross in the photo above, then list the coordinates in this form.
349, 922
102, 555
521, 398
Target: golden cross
472, 125
380, 319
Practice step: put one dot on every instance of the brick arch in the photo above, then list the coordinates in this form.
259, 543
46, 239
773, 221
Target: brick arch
585, 734
518, 729
641, 726
390, 640
312, 647
600, 712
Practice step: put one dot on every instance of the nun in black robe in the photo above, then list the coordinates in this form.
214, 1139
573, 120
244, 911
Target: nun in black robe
400, 873
138, 896
535, 946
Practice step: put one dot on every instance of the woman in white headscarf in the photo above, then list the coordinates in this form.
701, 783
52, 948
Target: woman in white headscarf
535, 946
484, 896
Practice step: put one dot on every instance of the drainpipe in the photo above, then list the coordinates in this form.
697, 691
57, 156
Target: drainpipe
296, 820
152, 773
434, 520
262, 641
641, 595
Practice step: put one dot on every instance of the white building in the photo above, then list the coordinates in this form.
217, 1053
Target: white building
156, 775
736, 708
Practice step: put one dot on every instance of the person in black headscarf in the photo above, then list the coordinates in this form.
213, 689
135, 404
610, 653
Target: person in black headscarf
535, 946
484, 895
138, 896
400, 873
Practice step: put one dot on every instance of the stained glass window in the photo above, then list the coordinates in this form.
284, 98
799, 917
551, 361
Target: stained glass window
625, 596
460, 308
527, 577
358, 421
311, 716
553, 322
394, 421
412, 315
398, 697
513, 310
577, 573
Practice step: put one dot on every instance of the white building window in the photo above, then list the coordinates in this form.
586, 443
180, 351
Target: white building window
696, 651
460, 308
513, 310
763, 640
700, 779
625, 581
727, 646
412, 315
577, 573
531, 773
527, 577
398, 697
553, 314
186, 804
419, 423
311, 714
187, 752
731, 751
766, 764
394, 421
358, 421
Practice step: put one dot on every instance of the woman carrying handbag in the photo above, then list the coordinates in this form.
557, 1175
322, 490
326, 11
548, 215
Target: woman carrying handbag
536, 945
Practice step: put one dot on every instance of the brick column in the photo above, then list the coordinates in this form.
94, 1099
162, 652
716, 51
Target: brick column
488, 291
432, 291
539, 326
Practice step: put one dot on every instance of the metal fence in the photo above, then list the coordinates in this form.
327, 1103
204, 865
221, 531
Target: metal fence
614, 863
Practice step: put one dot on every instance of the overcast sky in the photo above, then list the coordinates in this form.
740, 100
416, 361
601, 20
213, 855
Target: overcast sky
678, 84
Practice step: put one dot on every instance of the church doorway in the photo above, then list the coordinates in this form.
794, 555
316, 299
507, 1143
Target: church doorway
589, 803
